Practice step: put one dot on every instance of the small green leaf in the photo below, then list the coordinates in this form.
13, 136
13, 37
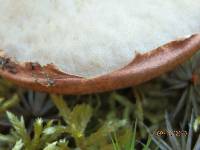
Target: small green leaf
146, 146
63, 144
6, 104
79, 118
62, 107
7, 138
115, 142
58, 145
100, 136
19, 127
38, 127
55, 130
196, 124
19, 145
133, 139
1, 100
51, 146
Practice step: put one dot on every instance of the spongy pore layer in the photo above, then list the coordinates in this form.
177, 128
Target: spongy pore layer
92, 37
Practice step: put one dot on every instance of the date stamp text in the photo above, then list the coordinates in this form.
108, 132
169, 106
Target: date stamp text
163, 132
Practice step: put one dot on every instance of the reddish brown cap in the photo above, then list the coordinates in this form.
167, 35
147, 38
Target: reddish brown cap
143, 68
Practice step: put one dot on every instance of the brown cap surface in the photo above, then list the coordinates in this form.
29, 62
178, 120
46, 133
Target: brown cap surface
143, 68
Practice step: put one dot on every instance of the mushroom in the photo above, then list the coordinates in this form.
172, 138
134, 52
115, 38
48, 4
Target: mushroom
86, 46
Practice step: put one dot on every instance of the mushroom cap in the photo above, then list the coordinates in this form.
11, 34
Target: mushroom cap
86, 46
90, 38
143, 68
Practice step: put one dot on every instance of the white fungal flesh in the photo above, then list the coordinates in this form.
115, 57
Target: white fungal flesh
92, 37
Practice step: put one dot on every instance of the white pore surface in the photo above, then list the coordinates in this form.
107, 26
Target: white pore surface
92, 37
